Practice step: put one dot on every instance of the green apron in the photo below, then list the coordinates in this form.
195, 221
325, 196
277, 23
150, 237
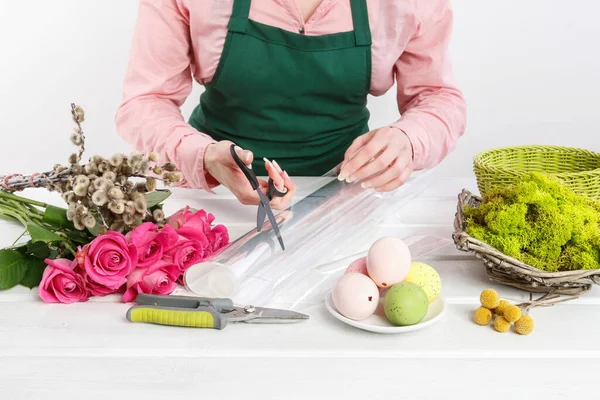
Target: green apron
300, 100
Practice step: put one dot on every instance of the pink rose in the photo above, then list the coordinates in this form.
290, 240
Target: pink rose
191, 225
218, 237
151, 242
159, 278
61, 284
186, 253
108, 260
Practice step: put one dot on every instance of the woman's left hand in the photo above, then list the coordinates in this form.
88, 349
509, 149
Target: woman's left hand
381, 159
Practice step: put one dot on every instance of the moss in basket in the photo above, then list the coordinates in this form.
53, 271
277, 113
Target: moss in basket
540, 222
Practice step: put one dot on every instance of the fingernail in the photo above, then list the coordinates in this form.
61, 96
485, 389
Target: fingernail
365, 185
350, 180
267, 161
238, 148
277, 167
286, 174
341, 177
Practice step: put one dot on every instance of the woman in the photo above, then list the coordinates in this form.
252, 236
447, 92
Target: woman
287, 80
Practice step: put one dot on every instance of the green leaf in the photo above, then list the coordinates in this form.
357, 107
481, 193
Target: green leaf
157, 197
33, 275
57, 217
39, 250
81, 237
12, 268
39, 234
95, 230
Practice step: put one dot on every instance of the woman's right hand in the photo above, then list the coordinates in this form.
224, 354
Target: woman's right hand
221, 167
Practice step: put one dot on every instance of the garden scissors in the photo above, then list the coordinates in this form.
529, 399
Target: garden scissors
200, 312
264, 210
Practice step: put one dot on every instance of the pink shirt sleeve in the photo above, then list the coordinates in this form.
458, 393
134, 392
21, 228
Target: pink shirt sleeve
158, 80
432, 109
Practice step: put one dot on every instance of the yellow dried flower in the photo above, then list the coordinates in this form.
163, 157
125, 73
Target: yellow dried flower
153, 157
525, 325
489, 299
501, 307
501, 324
157, 170
512, 313
482, 316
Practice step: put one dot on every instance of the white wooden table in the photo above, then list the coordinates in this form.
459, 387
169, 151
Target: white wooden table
90, 351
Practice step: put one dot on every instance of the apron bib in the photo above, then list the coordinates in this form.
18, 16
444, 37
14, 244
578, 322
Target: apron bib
298, 99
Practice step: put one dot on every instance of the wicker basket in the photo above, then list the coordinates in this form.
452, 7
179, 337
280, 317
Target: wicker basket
509, 271
578, 169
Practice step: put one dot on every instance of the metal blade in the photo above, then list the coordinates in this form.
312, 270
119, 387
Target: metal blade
260, 217
274, 316
259, 315
265, 202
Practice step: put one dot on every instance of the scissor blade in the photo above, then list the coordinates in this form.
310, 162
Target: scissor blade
265, 203
275, 316
260, 217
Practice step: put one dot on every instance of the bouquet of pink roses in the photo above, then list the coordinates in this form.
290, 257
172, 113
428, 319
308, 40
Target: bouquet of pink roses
149, 259
112, 238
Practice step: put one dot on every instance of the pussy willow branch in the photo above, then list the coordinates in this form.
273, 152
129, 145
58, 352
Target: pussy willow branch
77, 121
46, 180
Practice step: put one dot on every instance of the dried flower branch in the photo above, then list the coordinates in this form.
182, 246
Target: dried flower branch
101, 194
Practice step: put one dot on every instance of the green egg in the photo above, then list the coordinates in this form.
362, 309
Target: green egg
405, 304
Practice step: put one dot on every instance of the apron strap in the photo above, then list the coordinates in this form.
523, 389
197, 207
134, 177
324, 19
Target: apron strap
360, 19
239, 16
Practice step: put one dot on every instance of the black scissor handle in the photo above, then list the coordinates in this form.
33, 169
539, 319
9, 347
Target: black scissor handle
273, 191
245, 169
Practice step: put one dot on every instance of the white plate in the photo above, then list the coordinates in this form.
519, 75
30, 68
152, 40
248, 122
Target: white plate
378, 323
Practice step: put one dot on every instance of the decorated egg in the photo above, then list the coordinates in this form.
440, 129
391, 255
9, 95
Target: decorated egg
355, 296
388, 261
427, 278
359, 266
405, 304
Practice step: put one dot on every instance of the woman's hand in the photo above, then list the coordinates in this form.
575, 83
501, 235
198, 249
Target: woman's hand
221, 166
382, 159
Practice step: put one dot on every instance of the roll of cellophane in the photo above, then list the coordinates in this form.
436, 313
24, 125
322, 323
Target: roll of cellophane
335, 221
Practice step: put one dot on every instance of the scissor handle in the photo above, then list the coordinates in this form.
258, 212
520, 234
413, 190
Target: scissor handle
245, 169
273, 191
206, 317
183, 302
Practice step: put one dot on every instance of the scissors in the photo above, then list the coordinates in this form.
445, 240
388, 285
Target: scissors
263, 208
200, 312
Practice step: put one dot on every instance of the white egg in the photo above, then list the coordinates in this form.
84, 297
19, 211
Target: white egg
388, 261
355, 296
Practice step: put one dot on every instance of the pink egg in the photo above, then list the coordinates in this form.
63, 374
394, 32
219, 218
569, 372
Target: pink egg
355, 296
388, 261
358, 266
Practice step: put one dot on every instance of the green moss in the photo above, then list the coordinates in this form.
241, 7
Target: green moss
541, 222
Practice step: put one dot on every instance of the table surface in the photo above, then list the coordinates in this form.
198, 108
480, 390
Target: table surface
89, 349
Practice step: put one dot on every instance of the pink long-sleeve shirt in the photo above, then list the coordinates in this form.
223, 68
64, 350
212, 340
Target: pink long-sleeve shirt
176, 41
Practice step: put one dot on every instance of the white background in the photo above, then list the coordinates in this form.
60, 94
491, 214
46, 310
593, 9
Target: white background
529, 69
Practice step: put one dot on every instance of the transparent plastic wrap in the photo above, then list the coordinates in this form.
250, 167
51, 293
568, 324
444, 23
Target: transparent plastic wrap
334, 222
